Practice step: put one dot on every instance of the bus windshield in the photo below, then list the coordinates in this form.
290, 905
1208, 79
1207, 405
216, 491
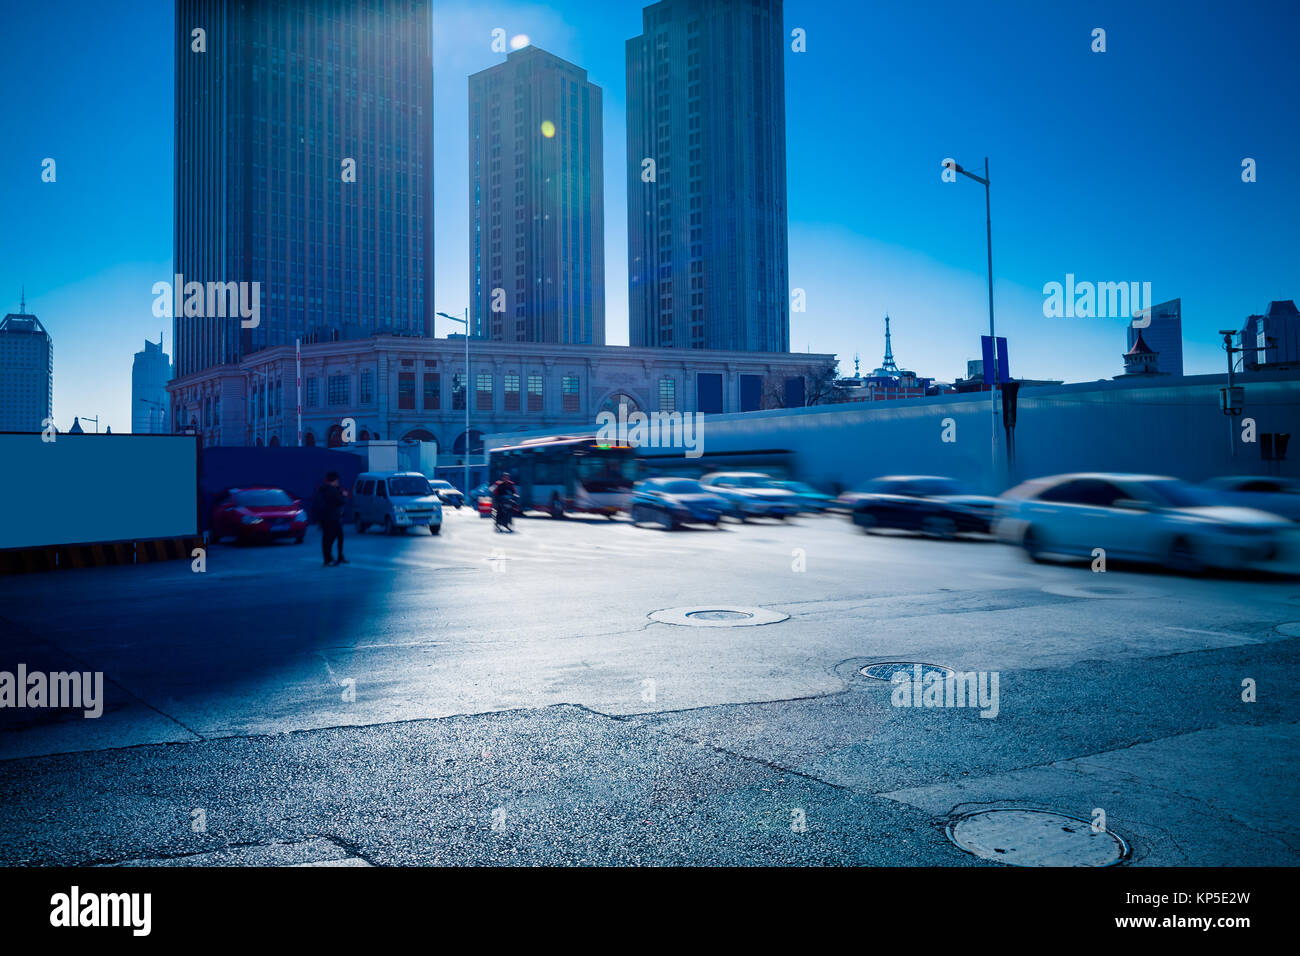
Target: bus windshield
604, 471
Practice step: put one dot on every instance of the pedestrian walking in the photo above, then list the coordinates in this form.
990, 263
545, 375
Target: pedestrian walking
327, 508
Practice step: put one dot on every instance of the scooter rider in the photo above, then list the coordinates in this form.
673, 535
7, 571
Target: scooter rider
502, 492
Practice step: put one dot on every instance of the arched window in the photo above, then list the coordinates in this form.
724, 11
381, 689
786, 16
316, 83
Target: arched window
365, 434
419, 434
475, 443
275, 441
334, 438
308, 440
612, 403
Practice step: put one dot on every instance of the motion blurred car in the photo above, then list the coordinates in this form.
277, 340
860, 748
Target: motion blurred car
1279, 496
396, 501
258, 515
807, 497
941, 507
447, 493
751, 494
1145, 518
674, 502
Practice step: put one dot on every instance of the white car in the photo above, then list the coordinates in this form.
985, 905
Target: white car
1271, 493
751, 494
1145, 518
447, 493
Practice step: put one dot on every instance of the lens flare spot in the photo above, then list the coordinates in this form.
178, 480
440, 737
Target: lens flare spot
519, 41
548, 129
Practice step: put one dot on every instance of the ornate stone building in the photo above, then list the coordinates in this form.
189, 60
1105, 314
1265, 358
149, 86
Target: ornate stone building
395, 387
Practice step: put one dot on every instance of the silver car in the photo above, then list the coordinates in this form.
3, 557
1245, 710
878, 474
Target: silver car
395, 501
1147, 518
752, 494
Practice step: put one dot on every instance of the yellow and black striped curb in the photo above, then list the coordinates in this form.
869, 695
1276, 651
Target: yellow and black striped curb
55, 558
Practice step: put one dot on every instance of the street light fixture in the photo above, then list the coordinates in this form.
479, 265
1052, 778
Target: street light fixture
1232, 400
161, 409
464, 322
988, 225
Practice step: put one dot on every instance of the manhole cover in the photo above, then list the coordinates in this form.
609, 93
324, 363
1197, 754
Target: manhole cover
886, 671
719, 615
1036, 838
1100, 591
713, 616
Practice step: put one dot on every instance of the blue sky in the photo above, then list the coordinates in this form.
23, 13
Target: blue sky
1115, 166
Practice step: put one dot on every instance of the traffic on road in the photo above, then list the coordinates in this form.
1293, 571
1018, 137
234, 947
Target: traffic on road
1223, 524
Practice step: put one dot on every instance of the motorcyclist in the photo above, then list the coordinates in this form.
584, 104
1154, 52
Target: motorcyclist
503, 493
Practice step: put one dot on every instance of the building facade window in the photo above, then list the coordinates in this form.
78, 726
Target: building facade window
432, 397
367, 387
458, 392
667, 395
406, 390
569, 393
534, 392
338, 390
512, 391
312, 398
483, 390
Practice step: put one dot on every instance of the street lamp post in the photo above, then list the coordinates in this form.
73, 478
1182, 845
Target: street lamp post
160, 410
464, 322
988, 225
1232, 398
95, 420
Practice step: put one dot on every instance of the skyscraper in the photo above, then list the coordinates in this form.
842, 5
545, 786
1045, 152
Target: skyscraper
1164, 336
706, 197
26, 372
1272, 339
150, 372
304, 163
537, 202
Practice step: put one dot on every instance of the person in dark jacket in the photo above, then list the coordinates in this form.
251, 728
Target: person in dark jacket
327, 508
502, 500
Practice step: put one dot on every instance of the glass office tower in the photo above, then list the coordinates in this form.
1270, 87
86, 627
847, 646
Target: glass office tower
304, 163
706, 193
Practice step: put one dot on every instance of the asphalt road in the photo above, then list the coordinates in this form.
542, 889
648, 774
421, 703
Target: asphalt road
487, 698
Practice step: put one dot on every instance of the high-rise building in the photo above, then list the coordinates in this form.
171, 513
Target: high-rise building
26, 372
1272, 339
150, 372
706, 197
1164, 336
536, 205
304, 163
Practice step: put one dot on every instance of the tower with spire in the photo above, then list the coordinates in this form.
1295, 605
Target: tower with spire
885, 383
888, 365
26, 371
1141, 359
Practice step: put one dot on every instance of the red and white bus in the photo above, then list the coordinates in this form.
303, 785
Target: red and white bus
563, 474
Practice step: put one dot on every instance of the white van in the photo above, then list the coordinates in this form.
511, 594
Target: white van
395, 501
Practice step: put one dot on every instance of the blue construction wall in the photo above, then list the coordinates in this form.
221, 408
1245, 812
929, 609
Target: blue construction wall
298, 471
1161, 425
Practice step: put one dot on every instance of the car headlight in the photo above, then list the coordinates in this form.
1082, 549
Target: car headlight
250, 519
399, 510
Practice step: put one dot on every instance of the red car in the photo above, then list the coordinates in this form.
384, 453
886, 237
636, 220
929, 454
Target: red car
258, 514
